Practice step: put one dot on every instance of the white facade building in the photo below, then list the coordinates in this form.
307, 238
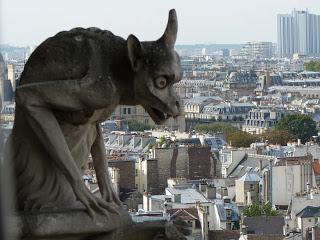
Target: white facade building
298, 32
256, 50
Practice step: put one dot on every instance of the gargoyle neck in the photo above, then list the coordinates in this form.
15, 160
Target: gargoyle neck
123, 77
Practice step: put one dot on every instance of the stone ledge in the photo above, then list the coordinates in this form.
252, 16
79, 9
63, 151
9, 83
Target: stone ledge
71, 223
77, 225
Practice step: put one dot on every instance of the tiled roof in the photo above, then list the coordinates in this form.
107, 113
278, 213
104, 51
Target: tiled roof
250, 177
188, 195
249, 163
309, 211
184, 214
263, 225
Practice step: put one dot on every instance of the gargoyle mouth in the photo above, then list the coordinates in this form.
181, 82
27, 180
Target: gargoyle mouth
157, 115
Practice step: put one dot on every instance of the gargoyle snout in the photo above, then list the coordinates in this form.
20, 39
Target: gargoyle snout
176, 109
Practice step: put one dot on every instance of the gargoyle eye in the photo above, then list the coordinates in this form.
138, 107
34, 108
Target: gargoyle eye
161, 82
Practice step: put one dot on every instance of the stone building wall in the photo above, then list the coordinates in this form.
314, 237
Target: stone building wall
200, 163
152, 177
127, 173
183, 162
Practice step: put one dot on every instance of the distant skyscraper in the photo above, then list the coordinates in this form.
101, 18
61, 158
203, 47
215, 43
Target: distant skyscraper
6, 92
12, 75
203, 51
3, 76
298, 32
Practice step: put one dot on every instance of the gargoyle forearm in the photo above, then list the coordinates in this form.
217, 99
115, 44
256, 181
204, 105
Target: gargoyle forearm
99, 157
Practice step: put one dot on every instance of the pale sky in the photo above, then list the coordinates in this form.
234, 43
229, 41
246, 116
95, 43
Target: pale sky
29, 22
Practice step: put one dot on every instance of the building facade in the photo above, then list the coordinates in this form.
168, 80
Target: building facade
257, 50
139, 114
260, 120
298, 32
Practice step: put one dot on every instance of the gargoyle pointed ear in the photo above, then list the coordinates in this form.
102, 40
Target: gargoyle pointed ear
170, 34
134, 51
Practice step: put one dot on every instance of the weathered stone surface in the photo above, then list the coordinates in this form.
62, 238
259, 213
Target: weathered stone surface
71, 83
192, 162
70, 223
77, 225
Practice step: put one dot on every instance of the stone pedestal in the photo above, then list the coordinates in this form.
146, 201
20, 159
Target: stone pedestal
77, 225
72, 224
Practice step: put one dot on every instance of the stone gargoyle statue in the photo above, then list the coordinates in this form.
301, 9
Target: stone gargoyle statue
71, 83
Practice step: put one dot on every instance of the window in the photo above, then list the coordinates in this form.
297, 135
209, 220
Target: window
208, 142
124, 111
228, 212
129, 110
228, 225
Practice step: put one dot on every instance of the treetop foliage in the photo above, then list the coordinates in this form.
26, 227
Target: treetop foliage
289, 129
312, 66
263, 209
299, 125
215, 128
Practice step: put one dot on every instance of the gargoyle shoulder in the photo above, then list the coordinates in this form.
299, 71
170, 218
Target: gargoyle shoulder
67, 55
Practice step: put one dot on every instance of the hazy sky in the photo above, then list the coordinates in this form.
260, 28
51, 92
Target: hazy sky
29, 22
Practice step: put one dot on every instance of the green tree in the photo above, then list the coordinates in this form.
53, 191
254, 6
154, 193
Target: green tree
256, 209
236, 225
240, 118
162, 140
215, 128
137, 126
281, 137
301, 126
253, 210
268, 210
312, 66
239, 138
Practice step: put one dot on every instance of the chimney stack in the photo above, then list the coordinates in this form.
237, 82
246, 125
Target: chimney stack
211, 191
202, 185
177, 198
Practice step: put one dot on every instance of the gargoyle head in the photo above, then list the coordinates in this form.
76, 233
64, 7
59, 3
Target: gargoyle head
156, 67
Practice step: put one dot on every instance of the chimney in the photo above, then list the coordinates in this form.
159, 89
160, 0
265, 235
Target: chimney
177, 198
202, 185
299, 142
309, 191
249, 202
224, 192
211, 191
146, 201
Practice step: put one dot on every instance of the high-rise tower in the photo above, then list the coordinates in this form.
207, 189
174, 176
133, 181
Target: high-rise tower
298, 32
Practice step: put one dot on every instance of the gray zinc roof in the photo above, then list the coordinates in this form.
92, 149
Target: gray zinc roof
250, 177
309, 211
